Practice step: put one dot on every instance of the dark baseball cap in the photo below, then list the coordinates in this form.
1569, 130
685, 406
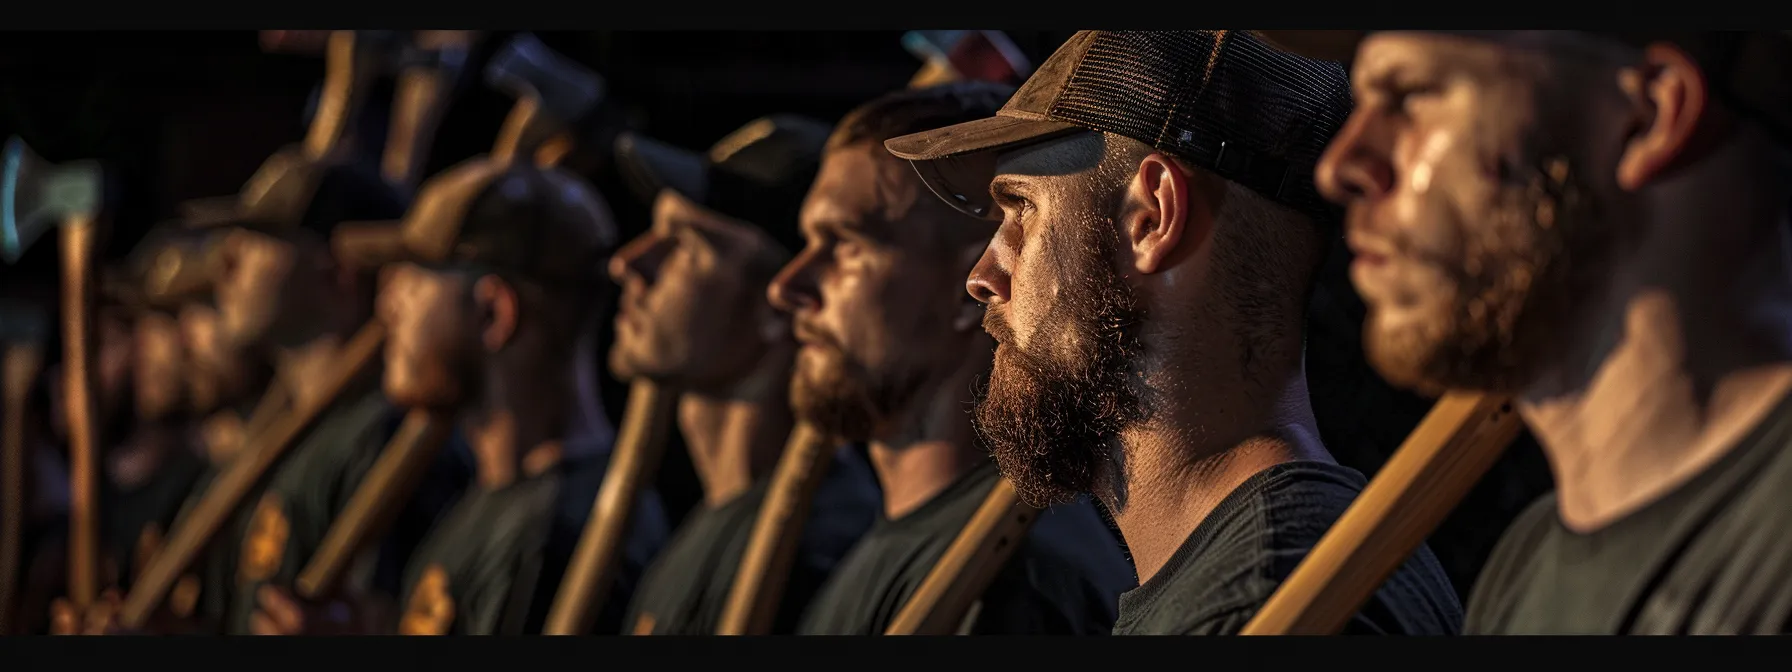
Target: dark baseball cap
1751, 70
759, 174
294, 191
1222, 100
536, 222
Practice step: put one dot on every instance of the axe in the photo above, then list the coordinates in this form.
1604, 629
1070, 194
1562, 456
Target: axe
282, 189
554, 93
1456, 443
34, 197
23, 331
974, 55
764, 568
432, 64
433, 67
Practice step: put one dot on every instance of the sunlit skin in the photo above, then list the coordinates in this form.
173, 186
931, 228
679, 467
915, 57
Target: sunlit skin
890, 344
287, 301
158, 379
1192, 423
1578, 224
693, 315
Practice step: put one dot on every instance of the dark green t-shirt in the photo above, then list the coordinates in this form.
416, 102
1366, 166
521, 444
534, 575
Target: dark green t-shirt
493, 562
288, 518
687, 586
1237, 557
1713, 556
1064, 578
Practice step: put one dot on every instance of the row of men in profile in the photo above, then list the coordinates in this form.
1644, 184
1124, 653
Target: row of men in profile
1111, 263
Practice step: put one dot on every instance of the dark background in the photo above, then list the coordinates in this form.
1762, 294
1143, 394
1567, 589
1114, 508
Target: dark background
182, 115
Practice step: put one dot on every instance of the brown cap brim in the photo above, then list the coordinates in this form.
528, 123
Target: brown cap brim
649, 165
369, 244
1325, 45
958, 161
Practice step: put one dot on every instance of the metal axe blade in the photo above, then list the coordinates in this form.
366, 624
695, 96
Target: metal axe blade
36, 196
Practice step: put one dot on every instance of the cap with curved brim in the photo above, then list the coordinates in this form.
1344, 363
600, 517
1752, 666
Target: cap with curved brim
957, 162
209, 212
650, 165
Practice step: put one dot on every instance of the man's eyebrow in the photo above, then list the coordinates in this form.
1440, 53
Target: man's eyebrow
1005, 187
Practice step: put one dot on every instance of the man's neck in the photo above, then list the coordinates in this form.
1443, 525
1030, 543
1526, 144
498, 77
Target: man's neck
732, 442
926, 447
1682, 385
1176, 472
517, 427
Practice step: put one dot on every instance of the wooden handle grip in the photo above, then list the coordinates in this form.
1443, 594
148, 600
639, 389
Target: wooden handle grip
375, 504
1456, 443
958, 580
22, 365
765, 564
193, 533
78, 242
639, 446
344, 85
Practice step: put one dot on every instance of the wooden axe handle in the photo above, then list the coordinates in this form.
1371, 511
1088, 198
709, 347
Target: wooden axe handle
78, 241
958, 580
375, 503
192, 534
343, 88
419, 102
765, 565
1456, 443
645, 428
24, 361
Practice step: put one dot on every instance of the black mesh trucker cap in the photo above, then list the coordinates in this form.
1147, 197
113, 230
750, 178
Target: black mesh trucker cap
537, 222
1750, 70
1222, 100
758, 174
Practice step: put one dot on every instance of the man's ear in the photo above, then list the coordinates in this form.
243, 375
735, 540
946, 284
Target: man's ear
497, 305
1671, 98
1163, 213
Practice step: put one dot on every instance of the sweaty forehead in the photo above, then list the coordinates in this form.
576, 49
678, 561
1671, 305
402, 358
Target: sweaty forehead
1485, 52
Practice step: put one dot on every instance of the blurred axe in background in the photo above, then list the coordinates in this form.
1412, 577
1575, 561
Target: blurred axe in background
36, 196
976, 55
432, 62
281, 193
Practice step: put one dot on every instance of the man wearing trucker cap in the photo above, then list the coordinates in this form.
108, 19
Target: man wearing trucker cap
694, 316
1159, 232
486, 296
1596, 224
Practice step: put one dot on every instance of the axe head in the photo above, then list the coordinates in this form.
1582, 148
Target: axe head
564, 90
36, 195
978, 55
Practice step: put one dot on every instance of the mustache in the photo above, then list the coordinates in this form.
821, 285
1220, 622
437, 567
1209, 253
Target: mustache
807, 333
995, 322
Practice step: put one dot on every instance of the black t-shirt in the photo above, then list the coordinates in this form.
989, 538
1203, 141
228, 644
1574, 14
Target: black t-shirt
687, 586
1064, 578
1236, 558
287, 519
493, 562
1714, 556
